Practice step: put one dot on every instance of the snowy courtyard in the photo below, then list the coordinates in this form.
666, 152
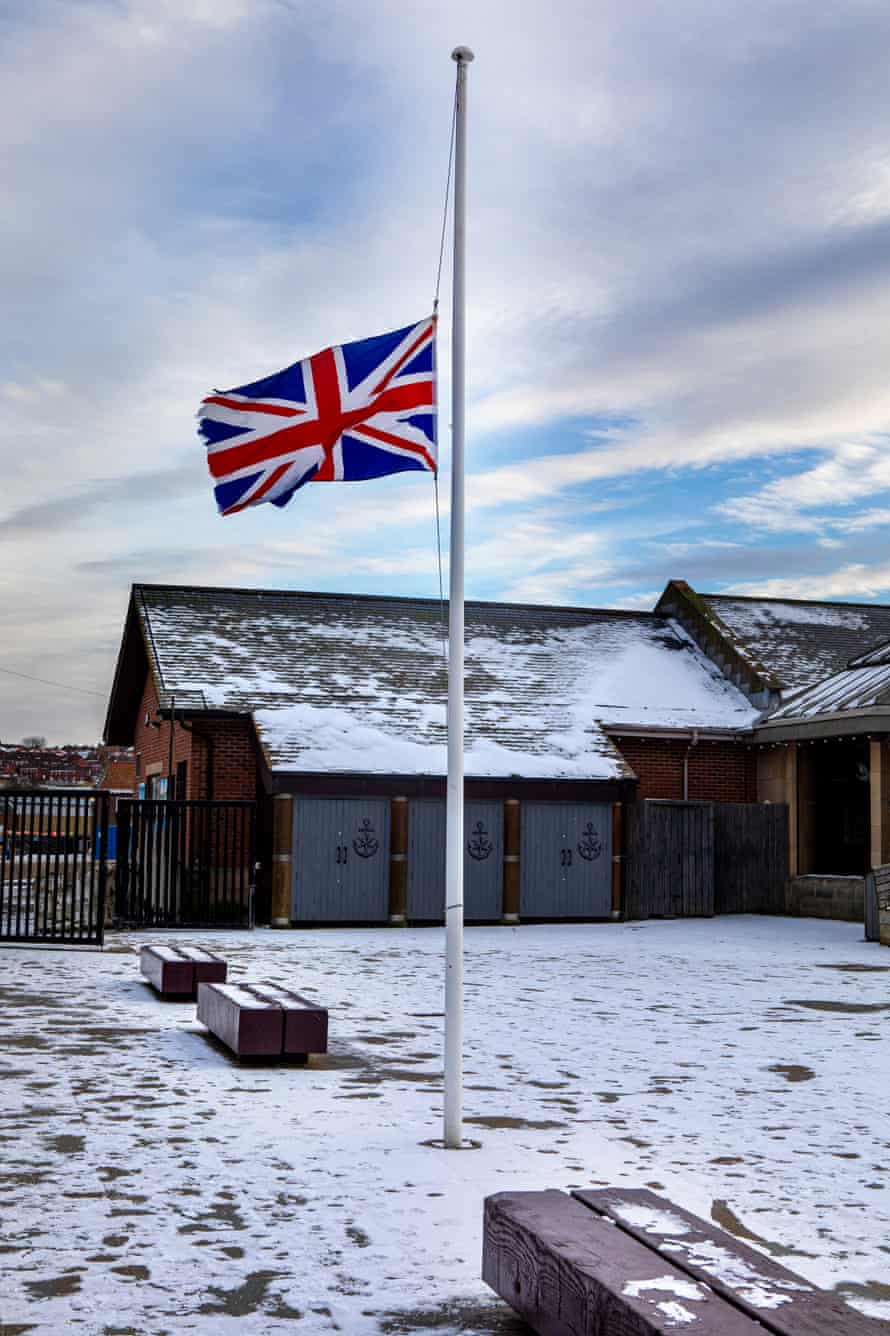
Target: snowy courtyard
153, 1185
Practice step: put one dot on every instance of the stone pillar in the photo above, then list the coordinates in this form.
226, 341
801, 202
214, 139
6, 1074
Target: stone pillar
510, 912
282, 858
398, 863
616, 860
875, 790
791, 800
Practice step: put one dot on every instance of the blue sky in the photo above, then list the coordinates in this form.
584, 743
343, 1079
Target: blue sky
679, 282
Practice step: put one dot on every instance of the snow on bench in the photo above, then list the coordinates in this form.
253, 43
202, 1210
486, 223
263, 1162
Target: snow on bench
570, 1272
176, 971
263, 1020
629, 1258
305, 1022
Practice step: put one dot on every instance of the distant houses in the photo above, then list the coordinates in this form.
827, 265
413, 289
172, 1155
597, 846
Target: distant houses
24, 766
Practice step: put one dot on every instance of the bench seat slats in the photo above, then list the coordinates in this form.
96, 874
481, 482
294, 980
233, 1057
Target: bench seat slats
569, 1272
784, 1303
165, 952
244, 997
198, 955
305, 1022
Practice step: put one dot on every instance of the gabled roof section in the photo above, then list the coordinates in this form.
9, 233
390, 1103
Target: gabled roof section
129, 680
356, 684
799, 642
735, 659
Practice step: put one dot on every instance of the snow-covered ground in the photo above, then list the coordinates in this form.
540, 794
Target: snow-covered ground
152, 1185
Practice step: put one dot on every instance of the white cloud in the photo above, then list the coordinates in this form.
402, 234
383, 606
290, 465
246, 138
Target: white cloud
852, 471
858, 581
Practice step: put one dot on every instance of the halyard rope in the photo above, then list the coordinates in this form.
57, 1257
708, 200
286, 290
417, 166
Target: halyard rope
448, 177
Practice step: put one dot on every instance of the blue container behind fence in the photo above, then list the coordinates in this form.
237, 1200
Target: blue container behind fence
111, 843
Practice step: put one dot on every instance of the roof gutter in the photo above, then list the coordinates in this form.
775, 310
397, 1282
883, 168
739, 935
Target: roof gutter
678, 734
841, 723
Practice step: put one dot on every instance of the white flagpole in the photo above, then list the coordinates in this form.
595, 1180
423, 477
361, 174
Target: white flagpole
454, 856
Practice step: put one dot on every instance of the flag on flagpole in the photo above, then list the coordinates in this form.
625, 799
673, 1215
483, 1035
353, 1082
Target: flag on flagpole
360, 410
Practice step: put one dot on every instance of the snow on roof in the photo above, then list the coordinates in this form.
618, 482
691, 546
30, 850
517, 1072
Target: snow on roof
880, 654
851, 689
801, 642
357, 684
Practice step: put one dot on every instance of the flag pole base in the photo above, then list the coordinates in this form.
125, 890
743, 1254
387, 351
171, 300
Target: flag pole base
438, 1144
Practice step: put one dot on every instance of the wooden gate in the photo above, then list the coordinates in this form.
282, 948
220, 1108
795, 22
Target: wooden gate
669, 868
688, 859
341, 860
483, 860
750, 858
52, 870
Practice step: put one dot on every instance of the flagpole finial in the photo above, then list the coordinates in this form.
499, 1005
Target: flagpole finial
462, 54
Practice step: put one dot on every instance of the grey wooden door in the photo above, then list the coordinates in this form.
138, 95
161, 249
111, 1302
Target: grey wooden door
341, 860
566, 860
483, 860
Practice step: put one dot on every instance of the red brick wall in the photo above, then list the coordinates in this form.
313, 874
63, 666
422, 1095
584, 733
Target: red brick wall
234, 760
718, 771
233, 746
152, 745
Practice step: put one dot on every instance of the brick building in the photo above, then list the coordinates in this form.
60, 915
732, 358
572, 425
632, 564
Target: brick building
303, 701
323, 706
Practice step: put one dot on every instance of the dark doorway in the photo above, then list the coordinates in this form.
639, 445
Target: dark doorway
834, 807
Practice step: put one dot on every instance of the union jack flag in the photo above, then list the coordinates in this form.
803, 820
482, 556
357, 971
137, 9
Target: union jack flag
357, 411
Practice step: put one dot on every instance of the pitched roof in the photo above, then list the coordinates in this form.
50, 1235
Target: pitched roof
850, 690
798, 641
356, 684
862, 686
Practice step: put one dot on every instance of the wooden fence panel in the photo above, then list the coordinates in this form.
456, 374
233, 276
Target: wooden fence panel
697, 859
669, 859
752, 864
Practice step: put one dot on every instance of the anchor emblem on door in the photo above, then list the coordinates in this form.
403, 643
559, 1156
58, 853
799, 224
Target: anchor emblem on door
590, 846
365, 843
479, 846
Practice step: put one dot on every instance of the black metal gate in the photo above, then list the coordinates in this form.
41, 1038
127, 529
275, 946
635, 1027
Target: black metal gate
185, 864
52, 872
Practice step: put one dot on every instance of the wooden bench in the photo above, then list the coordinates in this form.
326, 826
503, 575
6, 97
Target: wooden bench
877, 905
626, 1261
263, 1020
176, 971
